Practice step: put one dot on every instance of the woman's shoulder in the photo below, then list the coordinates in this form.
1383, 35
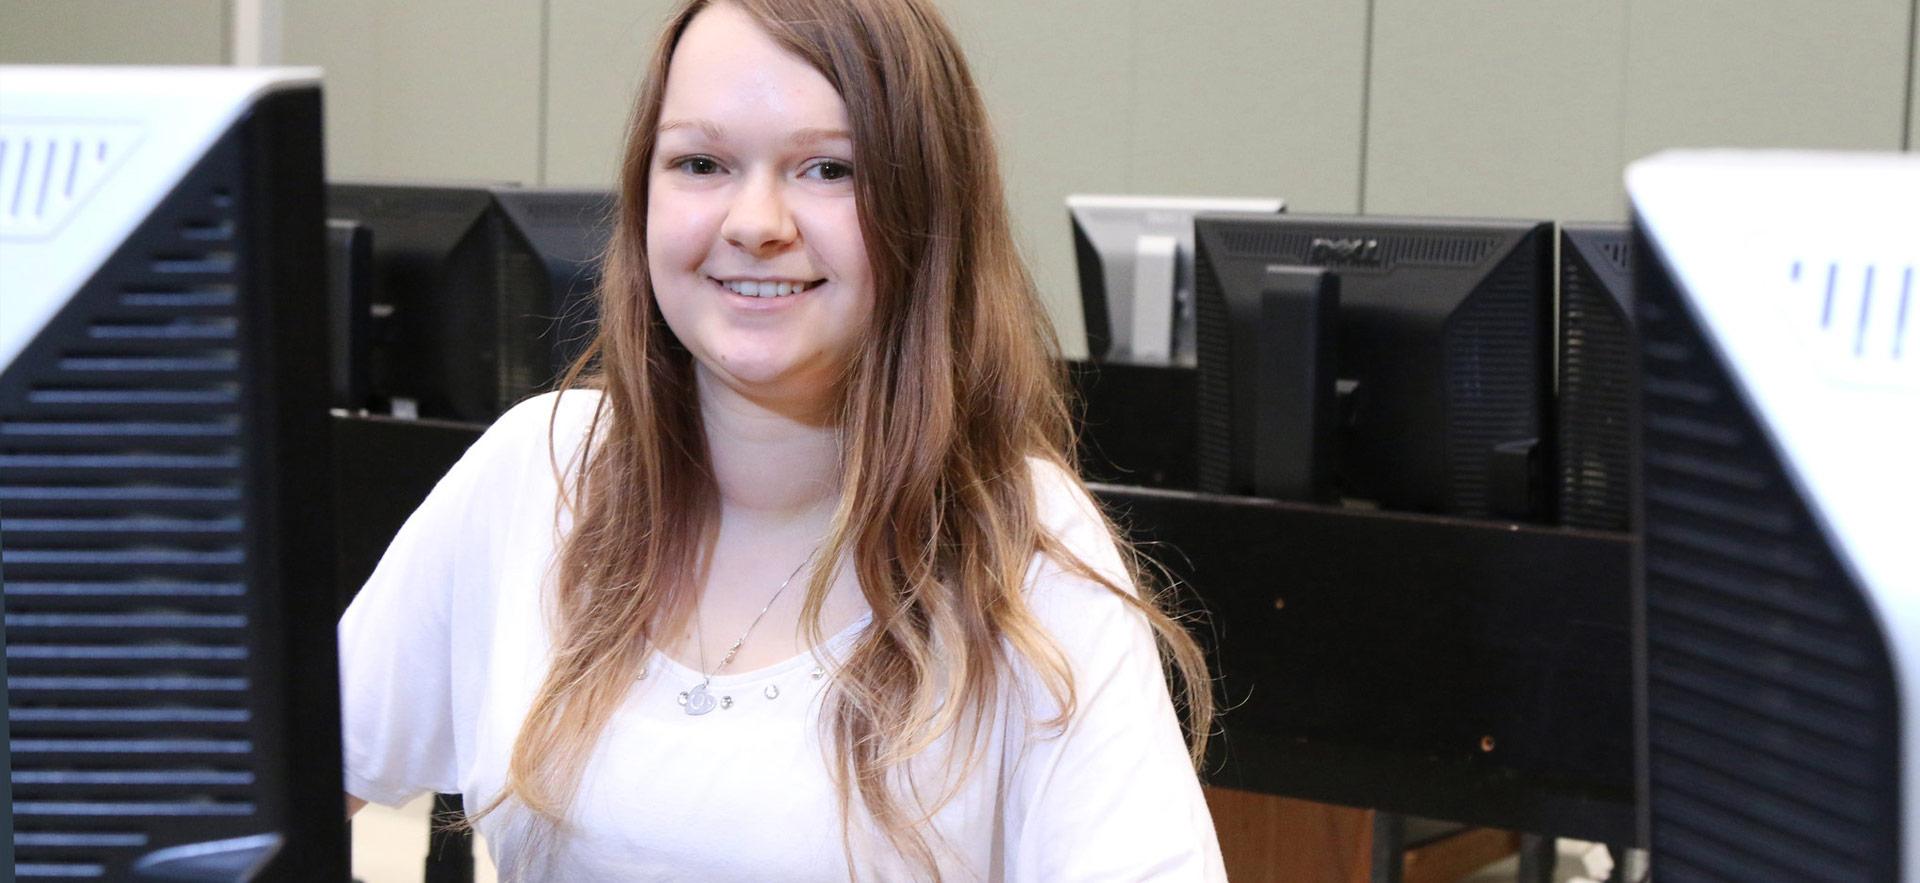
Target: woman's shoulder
526, 446
570, 409
1061, 500
550, 422
1067, 511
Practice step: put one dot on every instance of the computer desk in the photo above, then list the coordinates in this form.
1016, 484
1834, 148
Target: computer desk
1467, 670
1437, 667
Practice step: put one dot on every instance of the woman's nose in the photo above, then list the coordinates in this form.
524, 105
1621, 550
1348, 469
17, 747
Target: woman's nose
759, 220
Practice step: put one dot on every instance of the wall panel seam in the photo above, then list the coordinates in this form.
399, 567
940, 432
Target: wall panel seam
1913, 58
1366, 106
541, 112
1626, 98
226, 32
1134, 115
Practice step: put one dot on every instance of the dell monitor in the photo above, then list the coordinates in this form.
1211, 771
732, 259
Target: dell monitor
172, 698
1279, 420
1134, 255
1592, 442
1778, 587
1441, 354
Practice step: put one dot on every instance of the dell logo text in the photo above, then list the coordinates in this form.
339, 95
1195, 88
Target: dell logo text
1360, 252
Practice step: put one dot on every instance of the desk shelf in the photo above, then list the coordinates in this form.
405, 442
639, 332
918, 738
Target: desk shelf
1467, 670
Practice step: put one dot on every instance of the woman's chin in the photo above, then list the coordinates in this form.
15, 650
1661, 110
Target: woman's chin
773, 379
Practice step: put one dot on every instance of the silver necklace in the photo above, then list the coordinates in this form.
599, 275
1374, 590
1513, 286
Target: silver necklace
699, 700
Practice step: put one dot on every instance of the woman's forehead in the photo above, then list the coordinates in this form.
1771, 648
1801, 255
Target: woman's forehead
729, 77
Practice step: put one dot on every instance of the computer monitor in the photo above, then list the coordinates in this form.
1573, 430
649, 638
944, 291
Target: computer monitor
484, 290
1593, 445
1442, 342
1280, 407
551, 244
1778, 308
173, 706
349, 313
437, 345
1135, 260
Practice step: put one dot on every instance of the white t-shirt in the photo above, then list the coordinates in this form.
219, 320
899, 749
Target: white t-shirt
443, 650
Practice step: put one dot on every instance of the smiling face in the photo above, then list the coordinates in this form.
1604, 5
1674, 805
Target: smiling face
753, 241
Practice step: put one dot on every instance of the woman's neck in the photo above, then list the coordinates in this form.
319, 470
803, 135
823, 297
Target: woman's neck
772, 461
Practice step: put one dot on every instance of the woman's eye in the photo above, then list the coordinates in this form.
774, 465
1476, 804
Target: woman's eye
699, 165
831, 170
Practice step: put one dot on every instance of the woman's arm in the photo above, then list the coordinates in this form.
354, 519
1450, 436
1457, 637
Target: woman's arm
353, 805
1112, 795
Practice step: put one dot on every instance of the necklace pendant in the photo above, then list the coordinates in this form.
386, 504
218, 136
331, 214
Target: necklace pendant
698, 700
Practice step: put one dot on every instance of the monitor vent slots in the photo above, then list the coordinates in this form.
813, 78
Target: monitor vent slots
48, 168
1492, 387
1620, 254
1771, 727
125, 555
1348, 244
1439, 251
1595, 440
1212, 406
1243, 242
1861, 316
526, 341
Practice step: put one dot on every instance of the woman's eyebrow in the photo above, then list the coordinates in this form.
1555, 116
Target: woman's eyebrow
815, 135
707, 129
799, 137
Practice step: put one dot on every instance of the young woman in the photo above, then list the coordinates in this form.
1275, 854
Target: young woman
795, 579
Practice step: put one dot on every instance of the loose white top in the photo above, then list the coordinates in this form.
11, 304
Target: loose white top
442, 651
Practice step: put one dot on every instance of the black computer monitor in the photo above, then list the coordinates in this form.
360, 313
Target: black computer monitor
349, 313
1593, 444
436, 347
551, 244
1442, 340
173, 702
483, 292
1279, 408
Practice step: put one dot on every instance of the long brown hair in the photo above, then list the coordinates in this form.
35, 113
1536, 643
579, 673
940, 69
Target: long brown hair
957, 385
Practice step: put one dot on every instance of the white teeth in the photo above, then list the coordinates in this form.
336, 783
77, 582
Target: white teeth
751, 288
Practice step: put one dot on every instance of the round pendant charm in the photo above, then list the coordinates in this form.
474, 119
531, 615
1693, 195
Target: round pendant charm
698, 700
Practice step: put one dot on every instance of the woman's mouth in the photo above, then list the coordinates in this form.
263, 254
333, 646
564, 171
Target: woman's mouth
768, 287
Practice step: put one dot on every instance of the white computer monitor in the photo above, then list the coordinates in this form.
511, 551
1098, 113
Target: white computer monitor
171, 689
1777, 303
1135, 260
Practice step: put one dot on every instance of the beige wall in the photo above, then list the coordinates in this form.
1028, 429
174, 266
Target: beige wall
1787, 73
113, 31
1467, 117
596, 51
1453, 107
426, 89
1485, 107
